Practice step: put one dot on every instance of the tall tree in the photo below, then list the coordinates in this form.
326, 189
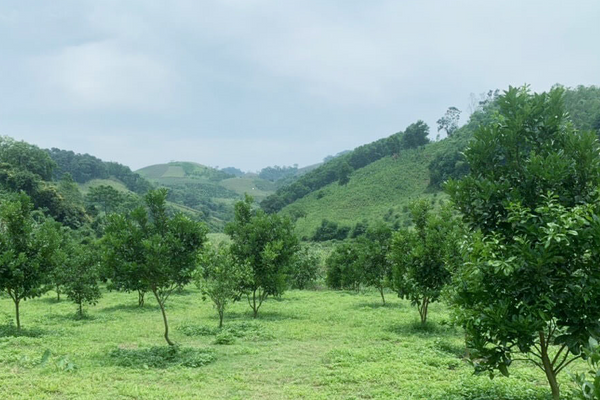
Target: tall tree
530, 283
159, 250
28, 251
267, 243
449, 121
415, 135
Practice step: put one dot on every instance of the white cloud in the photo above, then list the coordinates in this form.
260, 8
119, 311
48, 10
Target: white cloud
103, 75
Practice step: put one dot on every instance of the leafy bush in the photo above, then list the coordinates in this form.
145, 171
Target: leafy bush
162, 357
198, 330
590, 389
224, 337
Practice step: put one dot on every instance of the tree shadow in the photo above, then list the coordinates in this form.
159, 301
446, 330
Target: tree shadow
132, 308
10, 330
424, 330
266, 315
376, 305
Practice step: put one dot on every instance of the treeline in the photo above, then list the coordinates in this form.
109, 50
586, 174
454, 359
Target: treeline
27, 168
340, 168
582, 103
84, 168
149, 250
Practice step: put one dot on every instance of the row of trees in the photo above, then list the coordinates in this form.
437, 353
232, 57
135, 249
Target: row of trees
149, 250
520, 269
340, 168
414, 263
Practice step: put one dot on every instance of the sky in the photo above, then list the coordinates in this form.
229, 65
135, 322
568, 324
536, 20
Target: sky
253, 83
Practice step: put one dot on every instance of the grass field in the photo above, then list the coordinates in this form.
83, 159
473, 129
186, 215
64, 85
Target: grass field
307, 345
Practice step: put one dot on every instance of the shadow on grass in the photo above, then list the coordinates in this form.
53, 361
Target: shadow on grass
248, 330
376, 305
266, 315
161, 357
132, 308
425, 330
11, 330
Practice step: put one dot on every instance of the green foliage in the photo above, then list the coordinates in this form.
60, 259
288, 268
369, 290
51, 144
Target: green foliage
224, 337
149, 250
415, 135
420, 257
344, 270
268, 244
449, 122
26, 157
590, 384
305, 269
330, 230
373, 249
530, 279
84, 168
83, 270
277, 173
583, 105
221, 278
162, 357
28, 251
339, 169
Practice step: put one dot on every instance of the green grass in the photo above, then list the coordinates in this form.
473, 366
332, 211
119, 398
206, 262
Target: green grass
310, 345
387, 184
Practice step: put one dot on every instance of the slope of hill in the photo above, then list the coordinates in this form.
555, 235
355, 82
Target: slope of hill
208, 190
383, 188
380, 191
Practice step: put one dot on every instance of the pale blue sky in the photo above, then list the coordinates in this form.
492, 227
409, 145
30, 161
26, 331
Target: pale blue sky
251, 83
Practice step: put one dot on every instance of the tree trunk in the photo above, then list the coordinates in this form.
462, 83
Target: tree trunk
549, 368
162, 309
81, 309
382, 297
17, 300
220, 319
254, 304
423, 310
141, 298
57, 293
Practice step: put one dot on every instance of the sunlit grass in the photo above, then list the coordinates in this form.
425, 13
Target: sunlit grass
313, 345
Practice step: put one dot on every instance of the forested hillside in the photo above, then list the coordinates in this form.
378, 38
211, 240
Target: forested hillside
377, 181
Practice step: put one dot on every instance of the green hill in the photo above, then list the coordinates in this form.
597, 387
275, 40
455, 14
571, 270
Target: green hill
380, 191
207, 190
384, 176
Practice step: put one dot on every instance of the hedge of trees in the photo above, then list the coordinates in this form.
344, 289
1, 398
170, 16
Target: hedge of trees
340, 168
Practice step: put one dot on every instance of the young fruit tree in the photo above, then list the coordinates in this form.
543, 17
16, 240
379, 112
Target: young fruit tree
157, 250
28, 251
530, 284
220, 277
373, 249
267, 243
84, 272
421, 256
344, 270
304, 269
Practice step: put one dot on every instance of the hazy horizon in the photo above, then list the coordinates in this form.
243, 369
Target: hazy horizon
255, 83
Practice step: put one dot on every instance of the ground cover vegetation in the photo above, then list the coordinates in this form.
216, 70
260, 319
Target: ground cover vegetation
502, 271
